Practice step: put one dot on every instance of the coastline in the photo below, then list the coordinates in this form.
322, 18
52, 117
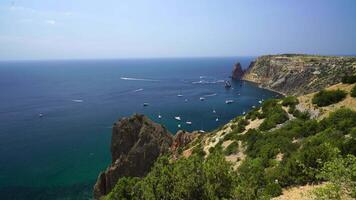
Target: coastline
266, 88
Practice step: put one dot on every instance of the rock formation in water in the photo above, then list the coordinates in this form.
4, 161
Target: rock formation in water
296, 74
136, 143
237, 72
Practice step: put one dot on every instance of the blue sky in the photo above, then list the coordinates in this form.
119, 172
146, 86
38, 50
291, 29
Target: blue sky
70, 29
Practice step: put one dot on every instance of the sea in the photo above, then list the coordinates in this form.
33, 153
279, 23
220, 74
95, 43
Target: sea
56, 116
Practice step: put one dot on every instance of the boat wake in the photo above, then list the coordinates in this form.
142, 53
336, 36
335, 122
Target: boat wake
77, 100
138, 90
207, 82
137, 79
210, 95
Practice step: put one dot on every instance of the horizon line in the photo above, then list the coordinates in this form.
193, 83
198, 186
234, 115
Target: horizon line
165, 57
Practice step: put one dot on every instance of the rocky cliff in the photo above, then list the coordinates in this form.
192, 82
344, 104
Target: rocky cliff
237, 72
136, 143
295, 74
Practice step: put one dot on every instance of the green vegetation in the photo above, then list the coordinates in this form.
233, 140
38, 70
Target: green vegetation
192, 178
341, 174
302, 151
273, 113
290, 101
328, 97
349, 79
232, 148
353, 91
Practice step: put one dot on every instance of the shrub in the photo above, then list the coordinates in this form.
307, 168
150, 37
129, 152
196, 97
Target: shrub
349, 79
123, 189
290, 101
340, 172
232, 148
353, 91
275, 116
342, 120
198, 150
328, 97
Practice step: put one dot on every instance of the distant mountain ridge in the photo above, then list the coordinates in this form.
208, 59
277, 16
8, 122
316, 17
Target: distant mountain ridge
298, 74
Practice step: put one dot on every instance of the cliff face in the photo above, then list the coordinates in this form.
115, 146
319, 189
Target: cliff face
299, 74
136, 143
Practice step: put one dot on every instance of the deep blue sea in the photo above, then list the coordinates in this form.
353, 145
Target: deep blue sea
60, 154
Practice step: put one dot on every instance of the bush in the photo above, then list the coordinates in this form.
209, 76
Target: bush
290, 101
232, 148
123, 189
353, 91
349, 79
328, 97
275, 116
342, 120
341, 174
198, 150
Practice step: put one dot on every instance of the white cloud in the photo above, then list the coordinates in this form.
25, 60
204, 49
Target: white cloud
50, 21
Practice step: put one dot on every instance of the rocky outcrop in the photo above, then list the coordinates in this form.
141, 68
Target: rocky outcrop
136, 143
237, 72
181, 139
296, 74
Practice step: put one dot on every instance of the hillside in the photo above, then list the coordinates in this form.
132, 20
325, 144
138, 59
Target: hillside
295, 74
287, 148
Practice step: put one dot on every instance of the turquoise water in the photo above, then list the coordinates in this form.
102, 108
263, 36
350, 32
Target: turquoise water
60, 154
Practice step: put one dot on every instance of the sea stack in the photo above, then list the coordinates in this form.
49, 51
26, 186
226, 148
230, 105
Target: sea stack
237, 72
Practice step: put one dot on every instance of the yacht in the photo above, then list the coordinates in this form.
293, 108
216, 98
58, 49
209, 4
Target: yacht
202, 98
229, 101
177, 118
188, 122
145, 104
227, 84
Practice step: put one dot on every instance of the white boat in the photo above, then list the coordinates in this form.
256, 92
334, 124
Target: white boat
179, 95
188, 122
253, 106
40, 115
214, 111
159, 116
201, 131
244, 113
229, 101
146, 104
217, 119
202, 98
177, 118
178, 125
260, 102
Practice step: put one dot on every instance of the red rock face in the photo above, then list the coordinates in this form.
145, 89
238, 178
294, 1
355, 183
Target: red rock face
181, 139
237, 72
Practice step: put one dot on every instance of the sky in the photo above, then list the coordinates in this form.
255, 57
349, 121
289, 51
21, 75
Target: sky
87, 29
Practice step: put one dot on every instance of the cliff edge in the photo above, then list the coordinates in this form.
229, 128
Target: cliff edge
136, 143
298, 74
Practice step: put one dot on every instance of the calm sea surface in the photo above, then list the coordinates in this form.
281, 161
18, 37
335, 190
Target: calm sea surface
60, 154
